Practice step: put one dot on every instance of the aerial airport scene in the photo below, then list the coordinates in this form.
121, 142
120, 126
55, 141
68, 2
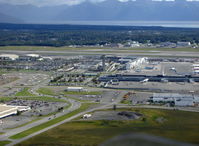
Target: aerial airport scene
98, 82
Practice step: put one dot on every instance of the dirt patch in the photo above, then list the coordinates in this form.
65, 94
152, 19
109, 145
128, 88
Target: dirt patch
114, 115
160, 120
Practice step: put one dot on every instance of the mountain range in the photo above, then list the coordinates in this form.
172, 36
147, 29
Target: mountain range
109, 10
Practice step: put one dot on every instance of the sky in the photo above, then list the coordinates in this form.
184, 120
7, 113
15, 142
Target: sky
66, 2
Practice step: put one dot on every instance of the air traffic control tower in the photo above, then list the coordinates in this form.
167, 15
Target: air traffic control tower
103, 62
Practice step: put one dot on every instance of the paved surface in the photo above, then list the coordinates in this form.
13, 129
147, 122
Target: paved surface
111, 52
107, 106
74, 106
62, 122
24, 78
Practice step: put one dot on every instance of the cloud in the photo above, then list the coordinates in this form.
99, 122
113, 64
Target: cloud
70, 2
47, 2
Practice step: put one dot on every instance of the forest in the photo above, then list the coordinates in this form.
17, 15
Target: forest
65, 35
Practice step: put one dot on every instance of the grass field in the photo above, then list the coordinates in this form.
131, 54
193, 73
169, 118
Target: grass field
46, 91
126, 102
3, 143
5, 99
42, 98
178, 125
82, 93
24, 92
25, 133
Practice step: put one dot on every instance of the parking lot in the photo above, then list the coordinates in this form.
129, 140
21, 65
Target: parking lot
38, 109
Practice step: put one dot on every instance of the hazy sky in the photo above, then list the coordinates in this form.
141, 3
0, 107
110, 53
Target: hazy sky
47, 2
67, 2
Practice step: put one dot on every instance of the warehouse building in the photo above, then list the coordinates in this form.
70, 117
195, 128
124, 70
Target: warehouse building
9, 110
75, 89
8, 57
29, 57
177, 99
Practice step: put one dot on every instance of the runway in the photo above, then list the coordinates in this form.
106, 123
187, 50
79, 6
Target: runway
108, 52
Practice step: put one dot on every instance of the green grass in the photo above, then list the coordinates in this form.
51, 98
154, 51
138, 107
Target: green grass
5, 142
24, 92
43, 98
25, 133
179, 125
46, 91
5, 99
83, 93
126, 102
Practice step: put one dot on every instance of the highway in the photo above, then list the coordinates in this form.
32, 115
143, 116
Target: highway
14, 142
74, 105
107, 106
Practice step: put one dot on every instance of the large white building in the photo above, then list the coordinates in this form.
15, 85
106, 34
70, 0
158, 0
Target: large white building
136, 63
183, 44
75, 89
8, 110
8, 56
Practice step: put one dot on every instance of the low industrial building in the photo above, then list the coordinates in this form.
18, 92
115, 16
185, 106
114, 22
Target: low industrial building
29, 57
8, 57
8, 110
176, 99
75, 89
183, 44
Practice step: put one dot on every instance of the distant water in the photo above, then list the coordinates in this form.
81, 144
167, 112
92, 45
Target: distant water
183, 24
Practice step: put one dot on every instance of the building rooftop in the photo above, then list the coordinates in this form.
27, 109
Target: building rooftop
11, 56
33, 55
